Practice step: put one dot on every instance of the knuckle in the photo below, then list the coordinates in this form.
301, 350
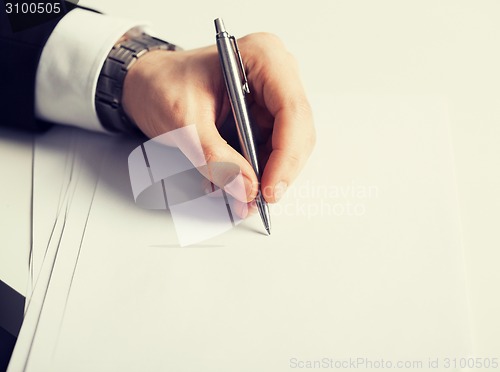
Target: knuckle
302, 109
211, 154
270, 38
311, 136
304, 106
294, 159
293, 62
311, 139
264, 40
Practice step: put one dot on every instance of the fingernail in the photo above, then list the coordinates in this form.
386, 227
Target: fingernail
243, 210
279, 190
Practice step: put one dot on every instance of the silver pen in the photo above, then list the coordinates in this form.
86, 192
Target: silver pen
237, 87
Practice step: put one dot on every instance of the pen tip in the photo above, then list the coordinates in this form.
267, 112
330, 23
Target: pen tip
268, 229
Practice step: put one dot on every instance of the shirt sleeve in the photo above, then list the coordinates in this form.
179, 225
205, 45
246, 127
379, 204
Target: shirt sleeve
70, 64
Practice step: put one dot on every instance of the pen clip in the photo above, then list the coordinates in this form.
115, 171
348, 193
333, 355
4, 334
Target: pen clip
246, 88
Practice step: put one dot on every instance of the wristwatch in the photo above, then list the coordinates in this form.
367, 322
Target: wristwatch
108, 98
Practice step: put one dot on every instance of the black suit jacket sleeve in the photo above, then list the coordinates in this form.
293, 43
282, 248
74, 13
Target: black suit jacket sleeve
19, 55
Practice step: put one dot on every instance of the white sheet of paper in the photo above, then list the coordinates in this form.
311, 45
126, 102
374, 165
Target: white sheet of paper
365, 260
16, 155
54, 155
66, 225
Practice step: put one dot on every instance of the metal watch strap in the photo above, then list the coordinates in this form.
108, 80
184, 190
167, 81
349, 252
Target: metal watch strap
110, 83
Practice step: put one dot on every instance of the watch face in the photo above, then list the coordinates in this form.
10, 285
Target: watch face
26, 14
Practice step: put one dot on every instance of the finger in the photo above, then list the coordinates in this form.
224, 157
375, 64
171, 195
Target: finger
293, 137
219, 156
292, 143
241, 208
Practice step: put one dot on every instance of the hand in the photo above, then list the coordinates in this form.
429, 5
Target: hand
167, 90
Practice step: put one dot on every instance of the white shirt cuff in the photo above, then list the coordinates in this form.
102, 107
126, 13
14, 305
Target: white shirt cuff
70, 64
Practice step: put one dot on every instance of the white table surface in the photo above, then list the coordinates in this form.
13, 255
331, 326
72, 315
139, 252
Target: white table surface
450, 48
